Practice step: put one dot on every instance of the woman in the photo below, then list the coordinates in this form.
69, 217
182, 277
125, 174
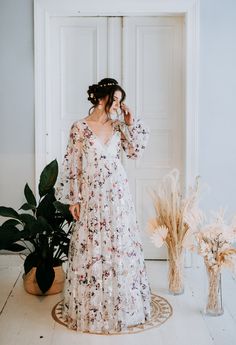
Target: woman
106, 287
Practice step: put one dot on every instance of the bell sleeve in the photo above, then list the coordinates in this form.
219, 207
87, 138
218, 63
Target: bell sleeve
68, 188
134, 138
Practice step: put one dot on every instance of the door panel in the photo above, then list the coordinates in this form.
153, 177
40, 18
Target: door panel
78, 59
153, 79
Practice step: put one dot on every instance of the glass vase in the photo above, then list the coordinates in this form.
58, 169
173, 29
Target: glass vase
175, 272
214, 304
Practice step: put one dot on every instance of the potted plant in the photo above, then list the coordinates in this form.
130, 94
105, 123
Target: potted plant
44, 233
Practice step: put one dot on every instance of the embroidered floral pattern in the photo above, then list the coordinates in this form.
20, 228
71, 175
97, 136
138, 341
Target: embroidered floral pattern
106, 286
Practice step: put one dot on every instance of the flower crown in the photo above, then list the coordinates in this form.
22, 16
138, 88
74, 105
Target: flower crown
107, 84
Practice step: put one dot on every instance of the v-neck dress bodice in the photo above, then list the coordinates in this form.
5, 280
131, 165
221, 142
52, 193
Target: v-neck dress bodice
96, 136
106, 287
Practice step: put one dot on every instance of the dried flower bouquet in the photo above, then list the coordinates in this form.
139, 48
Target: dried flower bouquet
169, 225
214, 243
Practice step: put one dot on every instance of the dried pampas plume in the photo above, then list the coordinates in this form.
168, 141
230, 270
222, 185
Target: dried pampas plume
178, 215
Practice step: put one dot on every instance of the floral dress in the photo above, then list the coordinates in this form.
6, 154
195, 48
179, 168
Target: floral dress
106, 287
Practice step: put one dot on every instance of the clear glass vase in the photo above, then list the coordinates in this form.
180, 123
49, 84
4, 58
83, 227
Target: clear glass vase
214, 304
175, 272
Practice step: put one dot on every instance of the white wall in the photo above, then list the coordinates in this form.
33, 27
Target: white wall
16, 100
217, 109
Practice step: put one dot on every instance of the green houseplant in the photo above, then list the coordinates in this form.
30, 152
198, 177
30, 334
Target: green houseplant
43, 230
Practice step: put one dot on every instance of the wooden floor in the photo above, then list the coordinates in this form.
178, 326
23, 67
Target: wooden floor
26, 319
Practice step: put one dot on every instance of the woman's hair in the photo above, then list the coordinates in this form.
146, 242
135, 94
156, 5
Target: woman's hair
105, 87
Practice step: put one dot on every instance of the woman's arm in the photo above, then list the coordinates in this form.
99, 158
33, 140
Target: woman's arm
68, 189
134, 138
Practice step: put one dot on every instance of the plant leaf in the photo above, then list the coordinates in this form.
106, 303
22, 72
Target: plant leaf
30, 262
29, 195
65, 249
27, 207
48, 178
45, 225
44, 247
11, 223
46, 208
27, 218
8, 212
45, 276
32, 228
8, 235
15, 247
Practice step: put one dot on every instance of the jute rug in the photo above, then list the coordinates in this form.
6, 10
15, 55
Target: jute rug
161, 312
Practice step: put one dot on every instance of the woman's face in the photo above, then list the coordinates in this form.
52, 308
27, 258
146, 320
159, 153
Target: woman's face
116, 102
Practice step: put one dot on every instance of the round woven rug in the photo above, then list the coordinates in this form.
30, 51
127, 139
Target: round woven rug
161, 311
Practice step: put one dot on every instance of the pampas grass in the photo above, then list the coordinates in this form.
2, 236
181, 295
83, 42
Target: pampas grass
170, 224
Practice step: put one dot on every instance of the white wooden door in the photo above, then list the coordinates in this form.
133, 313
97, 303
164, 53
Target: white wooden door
153, 79
82, 50
145, 55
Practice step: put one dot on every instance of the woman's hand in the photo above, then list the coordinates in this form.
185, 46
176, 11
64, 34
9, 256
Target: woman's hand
75, 211
128, 117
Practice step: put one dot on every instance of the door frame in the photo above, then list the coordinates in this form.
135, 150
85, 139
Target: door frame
189, 9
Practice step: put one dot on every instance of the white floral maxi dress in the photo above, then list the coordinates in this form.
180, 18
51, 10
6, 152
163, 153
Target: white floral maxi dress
106, 287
